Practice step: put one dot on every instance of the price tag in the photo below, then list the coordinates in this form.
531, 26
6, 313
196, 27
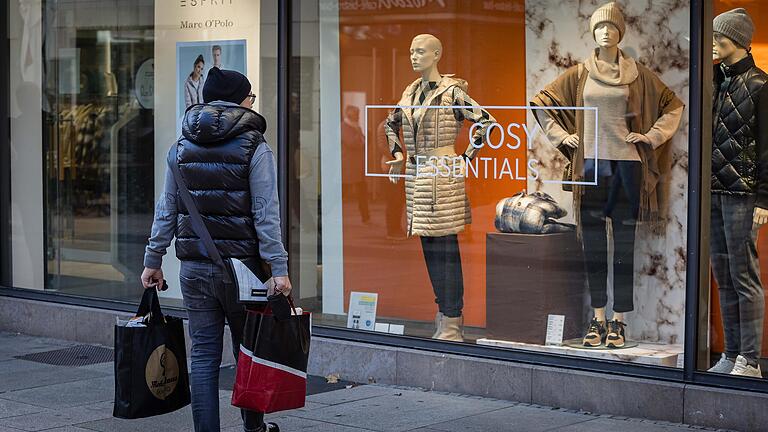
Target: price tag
555, 327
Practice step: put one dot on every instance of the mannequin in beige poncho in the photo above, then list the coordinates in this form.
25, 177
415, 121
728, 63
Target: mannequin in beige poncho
638, 115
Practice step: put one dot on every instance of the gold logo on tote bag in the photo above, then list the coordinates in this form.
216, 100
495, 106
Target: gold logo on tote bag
162, 372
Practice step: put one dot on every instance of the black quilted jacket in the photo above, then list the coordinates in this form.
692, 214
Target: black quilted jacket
739, 145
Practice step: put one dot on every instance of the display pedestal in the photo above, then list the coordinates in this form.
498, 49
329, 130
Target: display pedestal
529, 277
643, 353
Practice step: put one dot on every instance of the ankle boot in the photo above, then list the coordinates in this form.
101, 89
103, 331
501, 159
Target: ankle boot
438, 327
451, 329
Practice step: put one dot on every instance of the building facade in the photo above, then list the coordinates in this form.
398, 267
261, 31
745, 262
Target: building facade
429, 199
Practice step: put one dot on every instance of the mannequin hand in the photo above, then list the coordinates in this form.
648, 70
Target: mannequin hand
283, 285
151, 277
760, 216
635, 138
395, 167
571, 141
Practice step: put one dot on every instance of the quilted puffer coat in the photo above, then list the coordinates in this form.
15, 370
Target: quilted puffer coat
436, 205
736, 152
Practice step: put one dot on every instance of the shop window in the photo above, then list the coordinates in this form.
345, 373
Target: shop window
480, 238
97, 93
734, 300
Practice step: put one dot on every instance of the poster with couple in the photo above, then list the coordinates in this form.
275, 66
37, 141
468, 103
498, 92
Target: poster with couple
195, 59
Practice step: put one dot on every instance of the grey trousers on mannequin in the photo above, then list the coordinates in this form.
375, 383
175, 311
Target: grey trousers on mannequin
733, 249
616, 196
444, 267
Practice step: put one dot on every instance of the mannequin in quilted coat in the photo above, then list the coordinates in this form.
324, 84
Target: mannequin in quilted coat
436, 202
739, 190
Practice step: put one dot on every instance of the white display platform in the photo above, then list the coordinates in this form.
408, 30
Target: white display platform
644, 353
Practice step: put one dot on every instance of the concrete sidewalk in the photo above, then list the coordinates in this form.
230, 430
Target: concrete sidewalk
36, 396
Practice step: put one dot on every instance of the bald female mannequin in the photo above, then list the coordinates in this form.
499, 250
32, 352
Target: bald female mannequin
437, 206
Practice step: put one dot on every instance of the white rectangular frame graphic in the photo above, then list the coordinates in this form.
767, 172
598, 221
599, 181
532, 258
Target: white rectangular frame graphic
486, 107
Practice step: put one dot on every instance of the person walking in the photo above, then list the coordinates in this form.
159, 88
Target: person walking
230, 172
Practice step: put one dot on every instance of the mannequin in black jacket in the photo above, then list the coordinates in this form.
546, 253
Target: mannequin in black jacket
739, 190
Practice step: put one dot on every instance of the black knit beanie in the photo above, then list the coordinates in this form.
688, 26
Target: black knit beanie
225, 85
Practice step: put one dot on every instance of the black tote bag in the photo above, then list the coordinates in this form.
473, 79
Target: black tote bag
151, 375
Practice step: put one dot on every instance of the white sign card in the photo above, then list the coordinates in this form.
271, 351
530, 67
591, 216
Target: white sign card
555, 328
362, 310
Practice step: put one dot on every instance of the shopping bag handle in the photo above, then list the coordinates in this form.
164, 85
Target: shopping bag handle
290, 302
268, 310
302, 341
150, 304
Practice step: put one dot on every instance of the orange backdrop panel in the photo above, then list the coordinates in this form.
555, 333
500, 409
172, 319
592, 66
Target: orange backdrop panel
758, 10
484, 47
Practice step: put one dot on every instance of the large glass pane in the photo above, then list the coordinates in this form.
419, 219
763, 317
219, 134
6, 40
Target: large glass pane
530, 269
734, 299
98, 89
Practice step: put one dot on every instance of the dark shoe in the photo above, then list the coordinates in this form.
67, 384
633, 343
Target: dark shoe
596, 333
615, 337
269, 427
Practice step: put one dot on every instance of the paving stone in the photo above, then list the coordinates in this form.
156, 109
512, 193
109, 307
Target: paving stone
35, 378
352, 394
10, 408
613, 425
49, 419
177, 421
67, 394
516, 418
66, 429
293, 424
403, 411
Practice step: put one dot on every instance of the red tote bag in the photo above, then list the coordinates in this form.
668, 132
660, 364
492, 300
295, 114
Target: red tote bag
272, 364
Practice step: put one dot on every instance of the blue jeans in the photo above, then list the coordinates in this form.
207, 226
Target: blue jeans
209, 301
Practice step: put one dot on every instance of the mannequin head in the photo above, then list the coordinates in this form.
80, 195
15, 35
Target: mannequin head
426, 51
606, 35
726, 50
733, 32
607, 25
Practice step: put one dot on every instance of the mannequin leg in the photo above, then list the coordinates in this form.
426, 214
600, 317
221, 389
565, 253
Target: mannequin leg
595, 242
729, 300
600, 314
624, 221
444, 268
453, 293
435, 261
741, 242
